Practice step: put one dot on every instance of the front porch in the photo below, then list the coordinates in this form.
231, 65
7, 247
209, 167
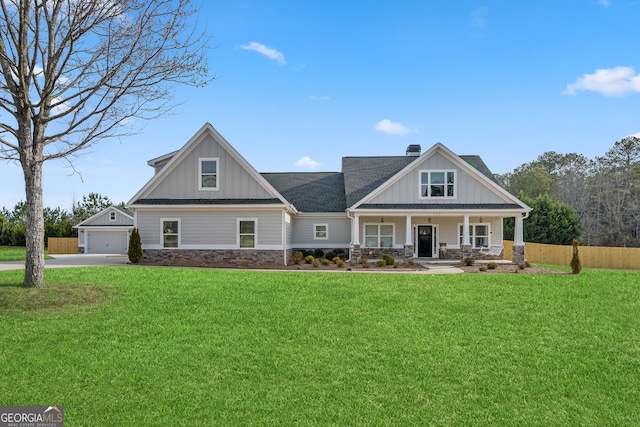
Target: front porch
434, 236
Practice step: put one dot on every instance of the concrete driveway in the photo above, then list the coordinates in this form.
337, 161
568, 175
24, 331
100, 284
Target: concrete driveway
75, 260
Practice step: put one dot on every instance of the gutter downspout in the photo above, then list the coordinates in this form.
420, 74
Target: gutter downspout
352, 218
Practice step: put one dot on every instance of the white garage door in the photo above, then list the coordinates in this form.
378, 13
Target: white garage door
107, 242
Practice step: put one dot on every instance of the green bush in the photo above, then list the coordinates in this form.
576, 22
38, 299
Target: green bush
135, 247
576, 265
410, 262
483, 268
330, 255
325, 261
315, 262
364, 261
388, 259
381, 263
339, 262
397, 264
492, 266
318, 253
468, 261
309, 259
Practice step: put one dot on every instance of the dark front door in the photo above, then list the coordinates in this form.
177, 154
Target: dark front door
425, 241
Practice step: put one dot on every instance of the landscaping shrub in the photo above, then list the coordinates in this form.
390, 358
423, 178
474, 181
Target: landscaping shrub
483, 268
397, 264
340, 252
309, 259
330, 255
135, 247
492, 266
339, 262
315, 262
381, 263
298, 257
318, 253
410, 262
364, 261
576, 265
388, 259
325, 261
468, 261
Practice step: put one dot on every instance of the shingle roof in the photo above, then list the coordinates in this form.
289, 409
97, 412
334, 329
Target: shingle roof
310, 191
362, 175
479, 164
208, 201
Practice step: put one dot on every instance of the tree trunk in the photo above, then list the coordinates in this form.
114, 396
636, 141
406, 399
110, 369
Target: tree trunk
34, 264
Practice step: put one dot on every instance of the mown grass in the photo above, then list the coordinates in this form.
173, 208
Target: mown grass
16, 253
207, 347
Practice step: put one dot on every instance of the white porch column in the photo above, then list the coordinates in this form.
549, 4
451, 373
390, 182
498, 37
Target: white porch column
356, 229
518, 238
407, 239
465, 231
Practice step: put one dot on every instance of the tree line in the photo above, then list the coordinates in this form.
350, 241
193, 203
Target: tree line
57, 221
604, 193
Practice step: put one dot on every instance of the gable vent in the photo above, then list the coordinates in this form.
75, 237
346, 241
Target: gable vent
414, 150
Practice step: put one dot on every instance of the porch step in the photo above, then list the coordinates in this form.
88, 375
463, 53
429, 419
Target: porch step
428, 262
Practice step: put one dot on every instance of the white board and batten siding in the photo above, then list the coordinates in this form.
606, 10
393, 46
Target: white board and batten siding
234, 182
338, 230
468, 188
205, 229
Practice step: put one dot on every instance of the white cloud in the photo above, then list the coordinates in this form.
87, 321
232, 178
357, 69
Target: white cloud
609, 82
605, 3
266, 51
635, 135
391, 128
307, 163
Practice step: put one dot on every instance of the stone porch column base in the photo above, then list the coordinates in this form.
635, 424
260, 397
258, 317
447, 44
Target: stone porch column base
517, 254
466, 251
356, 252
408, 251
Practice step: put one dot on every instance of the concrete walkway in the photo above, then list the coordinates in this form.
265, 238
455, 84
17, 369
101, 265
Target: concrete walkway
75, 260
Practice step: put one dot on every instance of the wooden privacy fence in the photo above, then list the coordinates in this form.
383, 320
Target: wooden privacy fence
590, 256
62, 245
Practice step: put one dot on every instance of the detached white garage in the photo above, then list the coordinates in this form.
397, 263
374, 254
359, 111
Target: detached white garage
107, 232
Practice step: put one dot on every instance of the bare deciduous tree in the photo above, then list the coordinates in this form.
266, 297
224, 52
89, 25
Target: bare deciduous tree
74, 72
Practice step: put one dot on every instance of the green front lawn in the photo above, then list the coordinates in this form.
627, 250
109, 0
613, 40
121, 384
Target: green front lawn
16, 253
210, 347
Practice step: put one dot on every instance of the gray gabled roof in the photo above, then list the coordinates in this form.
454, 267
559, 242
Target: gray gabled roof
362, 175
310, 191
478, 163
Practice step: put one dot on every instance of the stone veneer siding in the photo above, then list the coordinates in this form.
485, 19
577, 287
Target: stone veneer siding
215, 258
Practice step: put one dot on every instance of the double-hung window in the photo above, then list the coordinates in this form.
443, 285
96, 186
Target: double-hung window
478, 235
112, 216
320, 231
170, 233
378, 235
247, 233
208, 174
438, 183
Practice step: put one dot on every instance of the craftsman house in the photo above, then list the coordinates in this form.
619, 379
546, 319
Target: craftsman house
206, 204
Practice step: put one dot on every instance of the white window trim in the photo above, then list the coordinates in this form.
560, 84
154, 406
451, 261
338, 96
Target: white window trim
112, 216
472, 234
162, 221
315, 231
255, 232
208, 159
364, 234
429, 172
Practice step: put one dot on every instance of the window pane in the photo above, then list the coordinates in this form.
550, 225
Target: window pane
171, 241
209, 181
482, 242
371, 230
371, 242
437, 190
321, 231
482, 230
425, 190
386, 230
386, 241
170, 227
247, 227
209, 166
424, 178
450, 177
437, 177
247, 241
449, 190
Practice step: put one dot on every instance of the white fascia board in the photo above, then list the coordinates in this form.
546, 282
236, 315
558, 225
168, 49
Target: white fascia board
440, 212
212, 207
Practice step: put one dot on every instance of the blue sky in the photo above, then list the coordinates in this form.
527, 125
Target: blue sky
300, 84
